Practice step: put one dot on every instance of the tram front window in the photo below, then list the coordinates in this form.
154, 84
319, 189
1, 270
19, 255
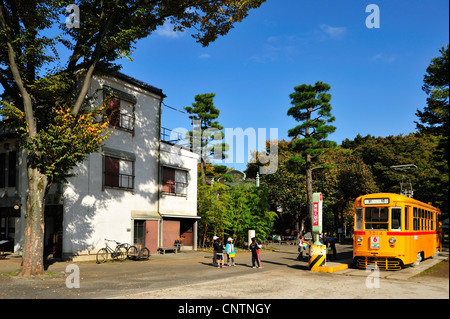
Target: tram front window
376, 218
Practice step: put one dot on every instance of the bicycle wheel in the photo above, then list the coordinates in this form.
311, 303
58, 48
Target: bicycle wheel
102, 255
121, 253
133, 253
144, 254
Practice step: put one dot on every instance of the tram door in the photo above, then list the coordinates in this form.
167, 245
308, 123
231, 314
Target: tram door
410, 246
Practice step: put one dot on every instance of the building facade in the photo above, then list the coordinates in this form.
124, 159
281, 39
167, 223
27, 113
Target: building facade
137, 189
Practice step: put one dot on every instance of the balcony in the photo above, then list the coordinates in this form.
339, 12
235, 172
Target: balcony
175, 138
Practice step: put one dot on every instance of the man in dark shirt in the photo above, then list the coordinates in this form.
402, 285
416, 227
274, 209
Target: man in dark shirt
254, 247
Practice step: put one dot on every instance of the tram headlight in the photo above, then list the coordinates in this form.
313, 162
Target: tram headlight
392, 240
359, 239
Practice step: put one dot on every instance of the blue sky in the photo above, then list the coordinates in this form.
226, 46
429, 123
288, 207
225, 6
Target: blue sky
375, 75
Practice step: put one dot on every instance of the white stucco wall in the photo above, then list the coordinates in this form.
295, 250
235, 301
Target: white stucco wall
92, 212
176, 157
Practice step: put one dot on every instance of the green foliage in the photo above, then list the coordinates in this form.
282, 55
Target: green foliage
207, 136
345, 178
63, 143
311, 104
430, 183
348, 178
231, 211
435, 116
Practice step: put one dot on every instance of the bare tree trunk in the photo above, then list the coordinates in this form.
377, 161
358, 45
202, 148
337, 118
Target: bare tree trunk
204, 235
33, 248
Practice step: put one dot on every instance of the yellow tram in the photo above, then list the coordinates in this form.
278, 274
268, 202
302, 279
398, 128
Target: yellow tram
391, 231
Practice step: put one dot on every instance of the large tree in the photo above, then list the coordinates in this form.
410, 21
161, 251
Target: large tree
311, 106
429, 181
207, 136
435, 116
42, 87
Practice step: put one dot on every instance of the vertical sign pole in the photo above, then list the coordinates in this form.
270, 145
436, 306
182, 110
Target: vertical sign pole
317, 250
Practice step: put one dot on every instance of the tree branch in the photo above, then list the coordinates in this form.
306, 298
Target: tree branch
27, 104
96, 55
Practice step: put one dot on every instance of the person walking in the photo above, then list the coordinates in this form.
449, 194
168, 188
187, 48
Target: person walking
230, 252
214, 250
254, 247
302, 245
219, 254
333, 247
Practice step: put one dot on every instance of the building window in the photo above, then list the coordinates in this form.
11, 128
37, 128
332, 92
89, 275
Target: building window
8, 169
120, 114
174, 181
119, 173
12, 169
2, 170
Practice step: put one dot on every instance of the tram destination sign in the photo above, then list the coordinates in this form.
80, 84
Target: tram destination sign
376, 201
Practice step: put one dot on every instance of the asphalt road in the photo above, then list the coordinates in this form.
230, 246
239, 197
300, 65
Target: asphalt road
190, 275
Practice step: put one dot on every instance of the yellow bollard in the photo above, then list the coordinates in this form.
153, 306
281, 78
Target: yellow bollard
317, 254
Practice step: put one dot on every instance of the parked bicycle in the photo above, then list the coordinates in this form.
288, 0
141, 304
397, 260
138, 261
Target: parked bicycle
119, 253
134, 253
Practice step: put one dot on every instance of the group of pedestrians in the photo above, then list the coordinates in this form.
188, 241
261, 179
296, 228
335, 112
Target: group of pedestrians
219, 248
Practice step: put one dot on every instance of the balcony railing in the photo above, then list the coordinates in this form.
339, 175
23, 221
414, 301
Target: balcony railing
174, 137
123, 181
175, 188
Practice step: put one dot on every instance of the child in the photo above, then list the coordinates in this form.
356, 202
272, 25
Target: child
219, 253
302, 245
230, 252
214, 250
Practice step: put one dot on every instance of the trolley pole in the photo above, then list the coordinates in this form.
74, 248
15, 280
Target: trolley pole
317, 251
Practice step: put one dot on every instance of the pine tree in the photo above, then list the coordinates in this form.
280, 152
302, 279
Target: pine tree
206, 137
311, 104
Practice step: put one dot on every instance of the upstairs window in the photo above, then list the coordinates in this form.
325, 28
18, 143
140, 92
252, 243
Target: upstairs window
8, 169
120, 108
174, 181
120, 114
119, 173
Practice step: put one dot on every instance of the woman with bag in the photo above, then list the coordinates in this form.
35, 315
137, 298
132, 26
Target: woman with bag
230, 252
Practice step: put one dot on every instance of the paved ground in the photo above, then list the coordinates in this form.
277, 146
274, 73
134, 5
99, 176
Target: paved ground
190, 275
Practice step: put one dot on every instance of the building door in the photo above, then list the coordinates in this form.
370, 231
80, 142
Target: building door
53, 236
139, 233
7, 232
146, 234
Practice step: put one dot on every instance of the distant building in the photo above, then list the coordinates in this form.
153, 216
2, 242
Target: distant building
137, 189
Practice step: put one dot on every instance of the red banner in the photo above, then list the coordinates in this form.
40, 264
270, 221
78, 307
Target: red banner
315, 214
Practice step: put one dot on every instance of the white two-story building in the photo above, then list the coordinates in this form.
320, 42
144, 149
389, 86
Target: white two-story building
137, 189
